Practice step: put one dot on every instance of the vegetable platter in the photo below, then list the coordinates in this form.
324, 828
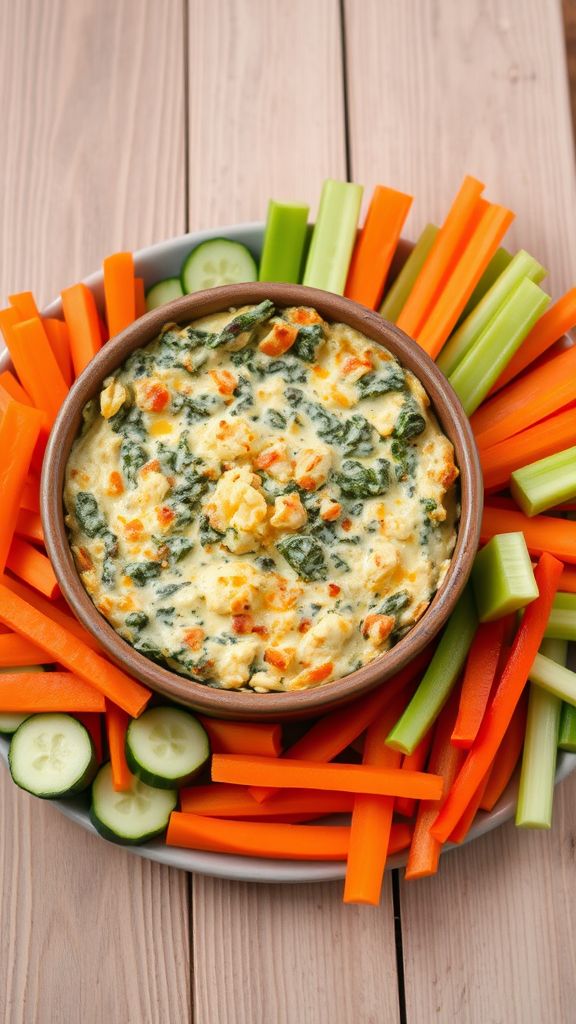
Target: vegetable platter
475, 731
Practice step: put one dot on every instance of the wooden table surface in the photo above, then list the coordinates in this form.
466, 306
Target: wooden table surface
128, 121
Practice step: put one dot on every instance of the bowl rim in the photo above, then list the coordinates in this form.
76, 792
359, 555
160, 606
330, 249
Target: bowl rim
248, 705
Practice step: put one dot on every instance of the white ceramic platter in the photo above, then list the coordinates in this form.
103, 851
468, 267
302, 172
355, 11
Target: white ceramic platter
153, 264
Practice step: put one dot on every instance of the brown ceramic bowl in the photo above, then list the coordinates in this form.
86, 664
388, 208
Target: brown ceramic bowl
231, 703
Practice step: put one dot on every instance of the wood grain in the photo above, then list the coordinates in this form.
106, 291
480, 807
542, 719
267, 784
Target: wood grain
89, 932
435, 91
266, 115
92, 135
267, 118
292, 955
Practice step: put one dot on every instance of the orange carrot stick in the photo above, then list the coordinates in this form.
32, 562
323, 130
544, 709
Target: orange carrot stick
372, 817
81, 315
479, 673
117, 722
546, 438
376, 245
501, 709
51, 611
25, 305
526, 401
542, 533
29, 526
226, 801
556, 321
47, 691
568, 581
266, 839
59, 338
19, 432
119, 291
93, 723
334, 732
507, 757
13, 387
243, 737
468, 270
31, 494
16, 651
139, 297
36, 366
62, 646
461, 830
414, 762
445, 760
29, 564
440, 258
285, 773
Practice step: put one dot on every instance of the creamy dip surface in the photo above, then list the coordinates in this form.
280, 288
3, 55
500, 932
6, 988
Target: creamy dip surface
262, 499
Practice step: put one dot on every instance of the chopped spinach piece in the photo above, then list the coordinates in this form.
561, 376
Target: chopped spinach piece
290, 369
196, 337
139, 364
171, 588
207, 534
143, 572
166, 615
243, 357
137, 620
196, 407
405, 456
395, 603
88, 514
339, 563
357, 436
243, 396
328, 426
358, 481
390, 379
275, 419
428, 506
108, 571
149, 649
266, 564
410, 421
294, 396
307, 341
356, 509
185, 497
177, 547
128, 422
132, 457
242, 323
305, 555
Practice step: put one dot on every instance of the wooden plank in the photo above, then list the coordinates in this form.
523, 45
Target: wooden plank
436, 91
439, 90
265, 105
92, 135
89, 932
266, 118
308, 957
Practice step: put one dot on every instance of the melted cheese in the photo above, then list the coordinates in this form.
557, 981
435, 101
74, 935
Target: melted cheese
257, 513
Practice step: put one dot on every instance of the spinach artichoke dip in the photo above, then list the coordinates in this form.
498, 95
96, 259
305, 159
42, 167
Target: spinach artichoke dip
261, 499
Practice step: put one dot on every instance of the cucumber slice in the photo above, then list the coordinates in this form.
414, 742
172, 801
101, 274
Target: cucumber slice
166, 747
131, 817
10, 720
162, 292
218, 261
52, 755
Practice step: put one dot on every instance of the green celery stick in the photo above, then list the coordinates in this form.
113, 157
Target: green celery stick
537, 775
439, 678
554, 678
567, 735
561, 624
546, 483
522, 266
502, 577
284, 240
334, 236
402, 286
479, 369
497, 265
563, 600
